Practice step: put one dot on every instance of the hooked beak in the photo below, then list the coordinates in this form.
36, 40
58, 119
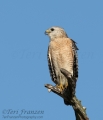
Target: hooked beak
47, 32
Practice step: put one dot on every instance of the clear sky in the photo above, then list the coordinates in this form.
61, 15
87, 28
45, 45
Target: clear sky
23, 56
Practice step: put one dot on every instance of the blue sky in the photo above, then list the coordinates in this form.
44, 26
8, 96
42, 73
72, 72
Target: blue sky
23, 55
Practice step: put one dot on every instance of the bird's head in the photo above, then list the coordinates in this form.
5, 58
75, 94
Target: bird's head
56, 32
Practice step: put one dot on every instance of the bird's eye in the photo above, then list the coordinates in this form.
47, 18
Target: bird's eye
52, 29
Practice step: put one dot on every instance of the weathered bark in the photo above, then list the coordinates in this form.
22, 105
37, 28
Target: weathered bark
70, 97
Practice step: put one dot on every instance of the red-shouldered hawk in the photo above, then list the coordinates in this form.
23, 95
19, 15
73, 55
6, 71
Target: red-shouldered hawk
62, 53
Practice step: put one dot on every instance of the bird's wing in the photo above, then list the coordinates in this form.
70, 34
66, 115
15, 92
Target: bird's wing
75, 63
51, 67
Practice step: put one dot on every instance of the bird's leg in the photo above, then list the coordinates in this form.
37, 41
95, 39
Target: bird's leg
59, 87
62, 83
62, 87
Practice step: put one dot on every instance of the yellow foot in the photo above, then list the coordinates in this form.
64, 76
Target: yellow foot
61, 88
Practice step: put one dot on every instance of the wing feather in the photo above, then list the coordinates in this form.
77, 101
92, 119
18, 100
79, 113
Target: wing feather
75, 63
51, 67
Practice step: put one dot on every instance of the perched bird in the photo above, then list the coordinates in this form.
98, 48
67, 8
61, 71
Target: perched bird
62, 53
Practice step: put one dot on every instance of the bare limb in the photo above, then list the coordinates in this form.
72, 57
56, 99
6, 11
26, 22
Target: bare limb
80, 111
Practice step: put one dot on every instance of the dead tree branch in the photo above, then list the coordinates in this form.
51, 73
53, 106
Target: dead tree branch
80, 111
